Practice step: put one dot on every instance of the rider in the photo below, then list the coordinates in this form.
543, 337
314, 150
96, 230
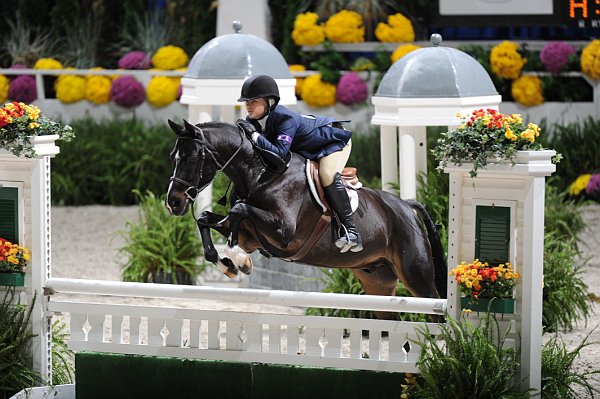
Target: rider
277, 129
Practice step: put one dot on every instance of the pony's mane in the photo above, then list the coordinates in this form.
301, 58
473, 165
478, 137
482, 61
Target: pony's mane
214, 124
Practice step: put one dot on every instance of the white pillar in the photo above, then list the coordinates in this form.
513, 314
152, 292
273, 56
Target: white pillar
41, 265
407, 158
389, 157
530, 290
420, 134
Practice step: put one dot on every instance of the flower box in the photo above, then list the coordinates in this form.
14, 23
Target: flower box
12, 279
494, 305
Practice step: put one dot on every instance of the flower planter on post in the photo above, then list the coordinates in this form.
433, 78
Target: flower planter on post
516, 192
493, 305
12, 279
25, 192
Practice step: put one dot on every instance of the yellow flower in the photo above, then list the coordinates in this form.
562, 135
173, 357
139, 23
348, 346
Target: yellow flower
579, 184
162, 90
505, 60
306, 31
510, 135
4, 86
170, 57
402, 50
317, 93
97, 89
590, 60
527, 90
48, 63
345, 27
299, 81
70, 88
398, 29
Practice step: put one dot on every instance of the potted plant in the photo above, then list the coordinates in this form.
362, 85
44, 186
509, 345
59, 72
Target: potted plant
21, 124
160, 248
487, 136
15, 339
13, 260
486, 287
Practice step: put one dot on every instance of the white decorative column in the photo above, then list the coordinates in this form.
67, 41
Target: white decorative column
31, 176
389, 157
521, 188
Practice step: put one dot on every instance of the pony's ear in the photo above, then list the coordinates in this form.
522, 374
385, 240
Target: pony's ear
189, 127
178, 129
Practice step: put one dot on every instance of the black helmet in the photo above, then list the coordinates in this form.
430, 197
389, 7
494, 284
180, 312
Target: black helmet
259, 86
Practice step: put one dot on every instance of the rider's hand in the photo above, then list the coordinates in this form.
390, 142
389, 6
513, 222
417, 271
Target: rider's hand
249, 129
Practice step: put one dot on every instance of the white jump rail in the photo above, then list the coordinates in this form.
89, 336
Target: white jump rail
296, 339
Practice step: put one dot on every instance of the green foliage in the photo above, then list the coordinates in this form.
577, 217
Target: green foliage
343, 281
25, 44
366, 154
150, 31
160, 243
558, 377
433, 194
15, 337
330, 63
561, 214
579, 144
63, 370
565, 291
109, 159
467, 361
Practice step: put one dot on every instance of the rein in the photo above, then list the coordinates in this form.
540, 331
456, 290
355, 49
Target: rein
193, 187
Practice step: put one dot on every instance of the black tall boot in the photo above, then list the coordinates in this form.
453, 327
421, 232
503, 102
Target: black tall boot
338, 200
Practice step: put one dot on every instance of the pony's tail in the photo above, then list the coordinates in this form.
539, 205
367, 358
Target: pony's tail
437, 251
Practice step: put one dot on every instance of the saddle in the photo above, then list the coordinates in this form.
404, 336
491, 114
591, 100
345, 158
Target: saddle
352, 184
349, 178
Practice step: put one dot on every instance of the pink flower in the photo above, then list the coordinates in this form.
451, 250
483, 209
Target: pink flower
555, 55
351, 89
135, 60
22, 89
593, 186
127, 92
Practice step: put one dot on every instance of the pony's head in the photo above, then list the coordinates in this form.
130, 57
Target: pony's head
195, 167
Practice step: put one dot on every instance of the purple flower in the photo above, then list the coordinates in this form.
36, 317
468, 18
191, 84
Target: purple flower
555, 55
127, 92
593, 186
135, 60
351, 89
22, 88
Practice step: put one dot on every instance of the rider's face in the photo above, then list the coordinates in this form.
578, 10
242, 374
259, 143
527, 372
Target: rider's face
257, 108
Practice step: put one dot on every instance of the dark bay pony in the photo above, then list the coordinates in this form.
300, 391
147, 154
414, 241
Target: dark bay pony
275, 214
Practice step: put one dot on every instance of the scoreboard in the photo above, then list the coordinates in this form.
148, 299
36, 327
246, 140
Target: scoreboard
583, 14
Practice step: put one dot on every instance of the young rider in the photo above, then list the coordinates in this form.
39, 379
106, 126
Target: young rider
277, 129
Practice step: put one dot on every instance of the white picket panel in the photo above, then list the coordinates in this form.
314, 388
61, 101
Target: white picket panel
243, 336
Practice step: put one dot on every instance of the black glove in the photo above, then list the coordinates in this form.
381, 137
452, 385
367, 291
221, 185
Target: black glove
247, 126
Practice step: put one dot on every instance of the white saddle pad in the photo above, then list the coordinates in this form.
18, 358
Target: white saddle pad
350, 189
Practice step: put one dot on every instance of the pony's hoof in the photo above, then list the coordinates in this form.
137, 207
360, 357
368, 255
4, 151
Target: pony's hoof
239, 258
246, 268
227, 267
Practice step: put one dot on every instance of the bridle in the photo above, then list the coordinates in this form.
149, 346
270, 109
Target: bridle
192, 190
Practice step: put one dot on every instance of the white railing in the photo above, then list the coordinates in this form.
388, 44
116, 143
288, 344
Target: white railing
244, 336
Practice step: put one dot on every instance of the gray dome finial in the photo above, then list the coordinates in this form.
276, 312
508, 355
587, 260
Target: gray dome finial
237, 26
436, 39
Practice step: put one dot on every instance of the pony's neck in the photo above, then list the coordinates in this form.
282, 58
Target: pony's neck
244, 171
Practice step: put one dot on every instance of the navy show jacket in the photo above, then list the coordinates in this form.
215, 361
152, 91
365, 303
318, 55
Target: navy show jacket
313, 137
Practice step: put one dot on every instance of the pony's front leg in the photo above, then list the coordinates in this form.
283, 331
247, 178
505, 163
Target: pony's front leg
258, 218
207, 221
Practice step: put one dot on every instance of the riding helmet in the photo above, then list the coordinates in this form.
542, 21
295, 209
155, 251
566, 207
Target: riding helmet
259, 86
